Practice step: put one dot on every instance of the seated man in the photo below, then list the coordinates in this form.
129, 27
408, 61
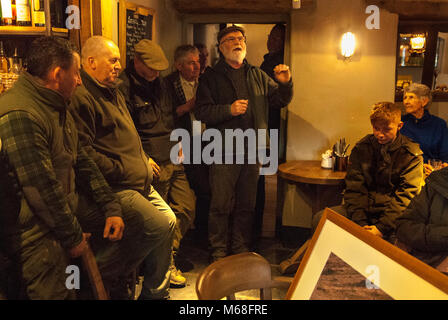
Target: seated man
151, 107
385, 172
423, 227
110, 138
62, 192
429, 131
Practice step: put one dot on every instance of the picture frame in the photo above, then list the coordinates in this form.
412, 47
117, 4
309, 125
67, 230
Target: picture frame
397, 273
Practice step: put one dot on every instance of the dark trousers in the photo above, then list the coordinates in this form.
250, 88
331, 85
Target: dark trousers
233, 196
119, 258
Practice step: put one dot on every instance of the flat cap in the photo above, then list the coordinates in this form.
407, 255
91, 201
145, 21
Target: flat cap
152, 55
232, 28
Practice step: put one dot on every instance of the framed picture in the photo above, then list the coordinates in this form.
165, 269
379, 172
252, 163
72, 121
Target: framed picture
136, 23
385, 266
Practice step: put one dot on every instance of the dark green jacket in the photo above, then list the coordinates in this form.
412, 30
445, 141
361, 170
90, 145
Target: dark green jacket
151, 108
40, 142
216, 93
109, 135
381, 181
424, 225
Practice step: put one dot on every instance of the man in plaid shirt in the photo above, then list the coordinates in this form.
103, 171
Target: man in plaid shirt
64, 197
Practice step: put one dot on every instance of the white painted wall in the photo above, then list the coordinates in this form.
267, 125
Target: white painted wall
332, 97
257, 36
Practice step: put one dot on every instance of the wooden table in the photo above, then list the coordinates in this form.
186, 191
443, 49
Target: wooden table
326, 185
324, 188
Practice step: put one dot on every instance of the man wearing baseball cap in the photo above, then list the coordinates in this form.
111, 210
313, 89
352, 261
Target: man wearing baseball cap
152, 110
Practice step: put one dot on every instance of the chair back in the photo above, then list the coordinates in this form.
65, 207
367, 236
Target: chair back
240, 272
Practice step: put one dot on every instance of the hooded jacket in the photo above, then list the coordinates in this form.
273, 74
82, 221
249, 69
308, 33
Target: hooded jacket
424, 225
381, 180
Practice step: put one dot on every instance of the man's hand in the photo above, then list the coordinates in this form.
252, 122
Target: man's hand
373, 230
239, 107
427, 169
155, 167
187, 107
282, 73
78, 250
113, 230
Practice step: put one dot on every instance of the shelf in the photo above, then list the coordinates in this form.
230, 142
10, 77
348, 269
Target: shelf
60, 32
22, 31
436, 96
31, 31
410, 66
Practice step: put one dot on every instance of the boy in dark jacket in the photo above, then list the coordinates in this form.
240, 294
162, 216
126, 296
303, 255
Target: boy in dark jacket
423, 227
385, 172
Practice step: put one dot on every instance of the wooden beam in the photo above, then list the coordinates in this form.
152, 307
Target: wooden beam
86, 23
237, 6
96, 18
74, 34
430, 58
415, 9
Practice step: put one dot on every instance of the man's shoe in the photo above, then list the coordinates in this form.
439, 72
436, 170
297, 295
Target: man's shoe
177, 280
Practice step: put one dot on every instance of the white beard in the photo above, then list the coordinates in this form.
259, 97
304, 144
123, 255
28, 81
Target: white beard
236, 56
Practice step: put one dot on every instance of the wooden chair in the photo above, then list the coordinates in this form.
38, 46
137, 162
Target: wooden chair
96, 281
236, 273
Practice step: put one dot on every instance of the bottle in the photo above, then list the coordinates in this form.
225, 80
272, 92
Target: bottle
7, 17
23, 13
3, 59
38, 13
16, 65
57, 8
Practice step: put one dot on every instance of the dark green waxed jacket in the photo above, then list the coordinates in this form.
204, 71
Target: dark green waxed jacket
423, 227
382, 180
41, 212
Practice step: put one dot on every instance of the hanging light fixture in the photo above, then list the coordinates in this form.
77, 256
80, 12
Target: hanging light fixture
348, 44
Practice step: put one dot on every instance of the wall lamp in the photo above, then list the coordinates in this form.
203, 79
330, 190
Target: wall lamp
348, 45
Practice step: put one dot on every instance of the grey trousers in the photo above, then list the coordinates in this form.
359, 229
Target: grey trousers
159, 222
233, 197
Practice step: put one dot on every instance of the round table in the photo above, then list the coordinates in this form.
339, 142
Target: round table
326, 184
310, 171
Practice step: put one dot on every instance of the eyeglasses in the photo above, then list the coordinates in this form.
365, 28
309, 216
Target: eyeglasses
232, 39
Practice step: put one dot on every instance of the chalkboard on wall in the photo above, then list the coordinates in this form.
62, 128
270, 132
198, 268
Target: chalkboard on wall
136, 23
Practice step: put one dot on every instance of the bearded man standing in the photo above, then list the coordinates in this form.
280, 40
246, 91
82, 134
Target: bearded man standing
236, 95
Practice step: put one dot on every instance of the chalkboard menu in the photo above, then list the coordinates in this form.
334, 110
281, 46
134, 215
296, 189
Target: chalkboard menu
136, 23
138, 27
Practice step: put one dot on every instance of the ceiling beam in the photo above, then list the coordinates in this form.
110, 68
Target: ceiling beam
237, 6
415, 9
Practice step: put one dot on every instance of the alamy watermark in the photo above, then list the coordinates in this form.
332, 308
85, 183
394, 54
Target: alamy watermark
373, 20
73, 20
234, 146
373, 277
73, 280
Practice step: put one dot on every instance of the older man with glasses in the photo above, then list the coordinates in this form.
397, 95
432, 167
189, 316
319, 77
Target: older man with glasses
236, 95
